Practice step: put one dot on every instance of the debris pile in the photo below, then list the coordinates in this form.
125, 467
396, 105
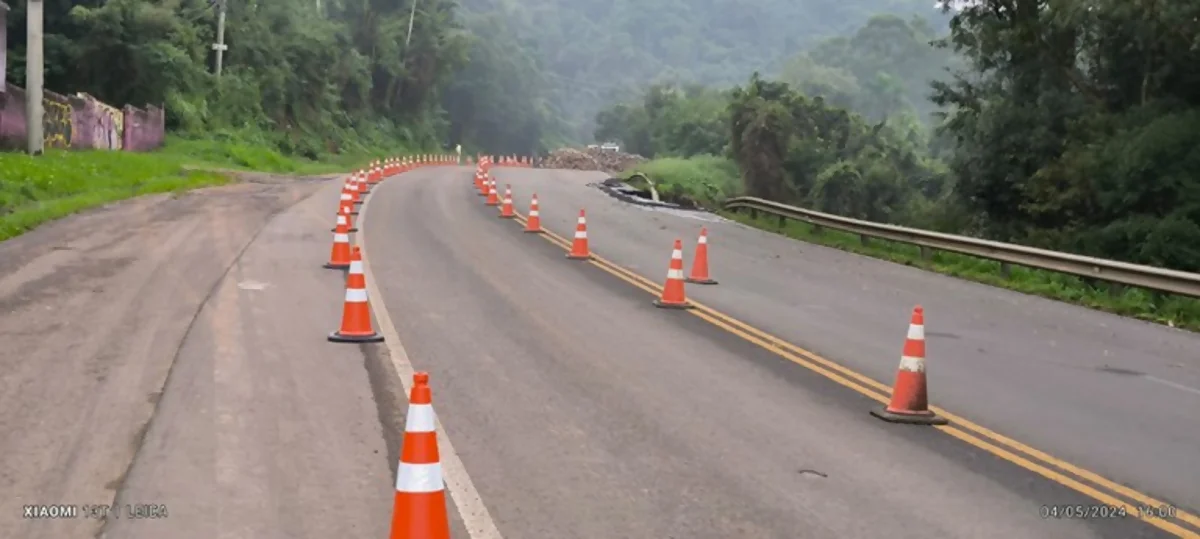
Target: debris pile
590, 159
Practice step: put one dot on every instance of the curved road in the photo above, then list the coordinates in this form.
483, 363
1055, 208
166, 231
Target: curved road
170, 352
575, 400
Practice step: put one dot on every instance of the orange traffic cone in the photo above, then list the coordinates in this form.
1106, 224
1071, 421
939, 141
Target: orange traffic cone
672, 294
492, 198
419, 511
344, 219
700, 263
364, 181
481, 183
910, 399
346, 200
339, 256
506, 209
533, 222
579, 248
356, 313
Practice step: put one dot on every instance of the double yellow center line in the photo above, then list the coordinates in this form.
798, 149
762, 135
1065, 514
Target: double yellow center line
1136, 504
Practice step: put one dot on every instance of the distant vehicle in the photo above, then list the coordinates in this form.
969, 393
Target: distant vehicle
610, 147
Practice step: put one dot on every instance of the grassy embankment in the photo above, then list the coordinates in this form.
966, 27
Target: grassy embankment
34, 190
710, 181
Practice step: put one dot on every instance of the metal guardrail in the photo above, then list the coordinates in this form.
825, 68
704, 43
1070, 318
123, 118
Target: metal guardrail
1124, 273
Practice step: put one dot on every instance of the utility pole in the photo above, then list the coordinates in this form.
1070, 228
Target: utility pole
220, 45
34, 71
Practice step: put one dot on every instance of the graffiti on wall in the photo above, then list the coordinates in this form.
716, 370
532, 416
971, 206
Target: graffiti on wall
81, 122
96, 125
112, 123
56, 121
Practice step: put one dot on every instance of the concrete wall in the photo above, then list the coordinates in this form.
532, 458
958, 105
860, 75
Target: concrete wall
81, 122
12, 118
144, 129
77, 122
95, 124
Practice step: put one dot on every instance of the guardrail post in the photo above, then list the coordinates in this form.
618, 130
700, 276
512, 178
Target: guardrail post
754, 213
817, 229
782, 222
864, 240
1005, 270
926, 253
1115, 289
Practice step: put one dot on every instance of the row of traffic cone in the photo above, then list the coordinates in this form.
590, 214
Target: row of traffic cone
909, 402
356, 324
419, 509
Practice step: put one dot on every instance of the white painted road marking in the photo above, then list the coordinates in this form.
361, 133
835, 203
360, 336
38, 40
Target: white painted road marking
470, 505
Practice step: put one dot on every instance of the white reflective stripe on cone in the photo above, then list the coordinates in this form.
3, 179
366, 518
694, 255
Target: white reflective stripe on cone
356, 267
420, 418
356, 295
675, 274
677, 254
912, 364
419, 478
533, 213
580, 234
916, 332
582, 221
703, 239
341, 238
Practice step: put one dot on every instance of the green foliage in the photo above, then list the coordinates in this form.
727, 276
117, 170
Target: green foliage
801, 150
595, 53
1077, 126
309, 78
1070, 126
703, 180
669, 121
34, 190
883, 69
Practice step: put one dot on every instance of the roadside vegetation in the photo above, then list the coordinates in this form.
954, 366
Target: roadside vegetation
967, 132
34, 190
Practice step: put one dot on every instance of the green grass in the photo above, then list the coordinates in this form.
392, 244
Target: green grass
712, 180
34, 190
1177, 311
704, 179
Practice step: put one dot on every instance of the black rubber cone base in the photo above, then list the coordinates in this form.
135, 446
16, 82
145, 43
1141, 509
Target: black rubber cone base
338, 337
686, 305
909, 419
351, 231
577, 257
700, 281
538, 231
342, 267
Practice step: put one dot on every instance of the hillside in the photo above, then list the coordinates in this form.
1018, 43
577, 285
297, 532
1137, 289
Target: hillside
595, 53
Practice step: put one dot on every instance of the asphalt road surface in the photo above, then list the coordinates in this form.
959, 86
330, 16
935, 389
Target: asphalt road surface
170, 352
580, 410
1116, 396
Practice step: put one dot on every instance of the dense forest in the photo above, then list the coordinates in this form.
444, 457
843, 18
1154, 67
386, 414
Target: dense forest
1072, 125
506, 76
1068, 125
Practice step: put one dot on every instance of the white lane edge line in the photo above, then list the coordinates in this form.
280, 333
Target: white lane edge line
471, 508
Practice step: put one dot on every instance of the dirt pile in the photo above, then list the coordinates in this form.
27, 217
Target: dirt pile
590, 159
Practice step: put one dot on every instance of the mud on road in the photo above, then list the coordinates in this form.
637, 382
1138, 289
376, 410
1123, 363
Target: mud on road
93, 309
